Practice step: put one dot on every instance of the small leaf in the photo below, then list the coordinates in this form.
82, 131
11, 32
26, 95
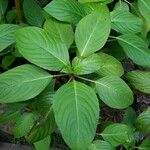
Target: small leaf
76, 111
114, 92
43, 144
122, 6
100, 145
118, 134
92, 32
42, 49
7, 61
7, 36
143, 121
125, 22
145, 145
3, 6
33, 13
135, 48
24, 124
140, 80
62, 31
22, 83
68, 11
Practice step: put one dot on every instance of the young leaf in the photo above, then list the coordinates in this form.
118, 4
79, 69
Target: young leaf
24, 124
92, 32
140, 80
62, 31
42, 49
43, 144
101, 145
135, 48
68, 11
145, 145
118, 134
76, 111
109, 66
7, 36
143, 121
114, 92
22, 83
43, 128
33, 13
125, 22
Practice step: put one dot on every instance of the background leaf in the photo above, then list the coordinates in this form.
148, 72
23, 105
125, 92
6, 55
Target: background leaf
92, 32
76, 109
68, 11
45, 51
33, 13
135, 48
114, 92
145, 145
125, 22
62, 31
7, 36
3, 6
22, 83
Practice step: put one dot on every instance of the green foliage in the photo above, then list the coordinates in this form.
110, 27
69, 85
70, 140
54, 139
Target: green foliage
81, 45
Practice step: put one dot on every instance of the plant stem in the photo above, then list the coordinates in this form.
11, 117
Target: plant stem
18, 11
85, 79
59, 75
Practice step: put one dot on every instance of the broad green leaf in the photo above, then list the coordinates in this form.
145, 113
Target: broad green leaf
68, 11
3, 6
43, 128
62, 31
122, 6
118, 134
129, 117
22, 83
92, 32
85, 1
42, 49
145, 145
7, 36
109, 66
76, 111
135, 48
24, 124
86, 65
140, 80
33, 13
125, 22
144, 8
100, 145
143, 121
43, 144
114, 92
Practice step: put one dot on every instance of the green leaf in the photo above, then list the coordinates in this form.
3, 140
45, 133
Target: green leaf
42, 49
87, 65
125, 22
68, 11
144, 8
114, 92
33, 13
100, 145
22, 83
140, 80
122, 6
85, 1
92, 32
7, 61
118, 134
3, 6
24, 124
109, 66
43, 128
145, 145
136, 49
143, 121
43, 144
7, 36
62, 31
76, 111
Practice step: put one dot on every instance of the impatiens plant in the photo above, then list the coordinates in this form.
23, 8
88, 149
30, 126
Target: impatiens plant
67, 74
